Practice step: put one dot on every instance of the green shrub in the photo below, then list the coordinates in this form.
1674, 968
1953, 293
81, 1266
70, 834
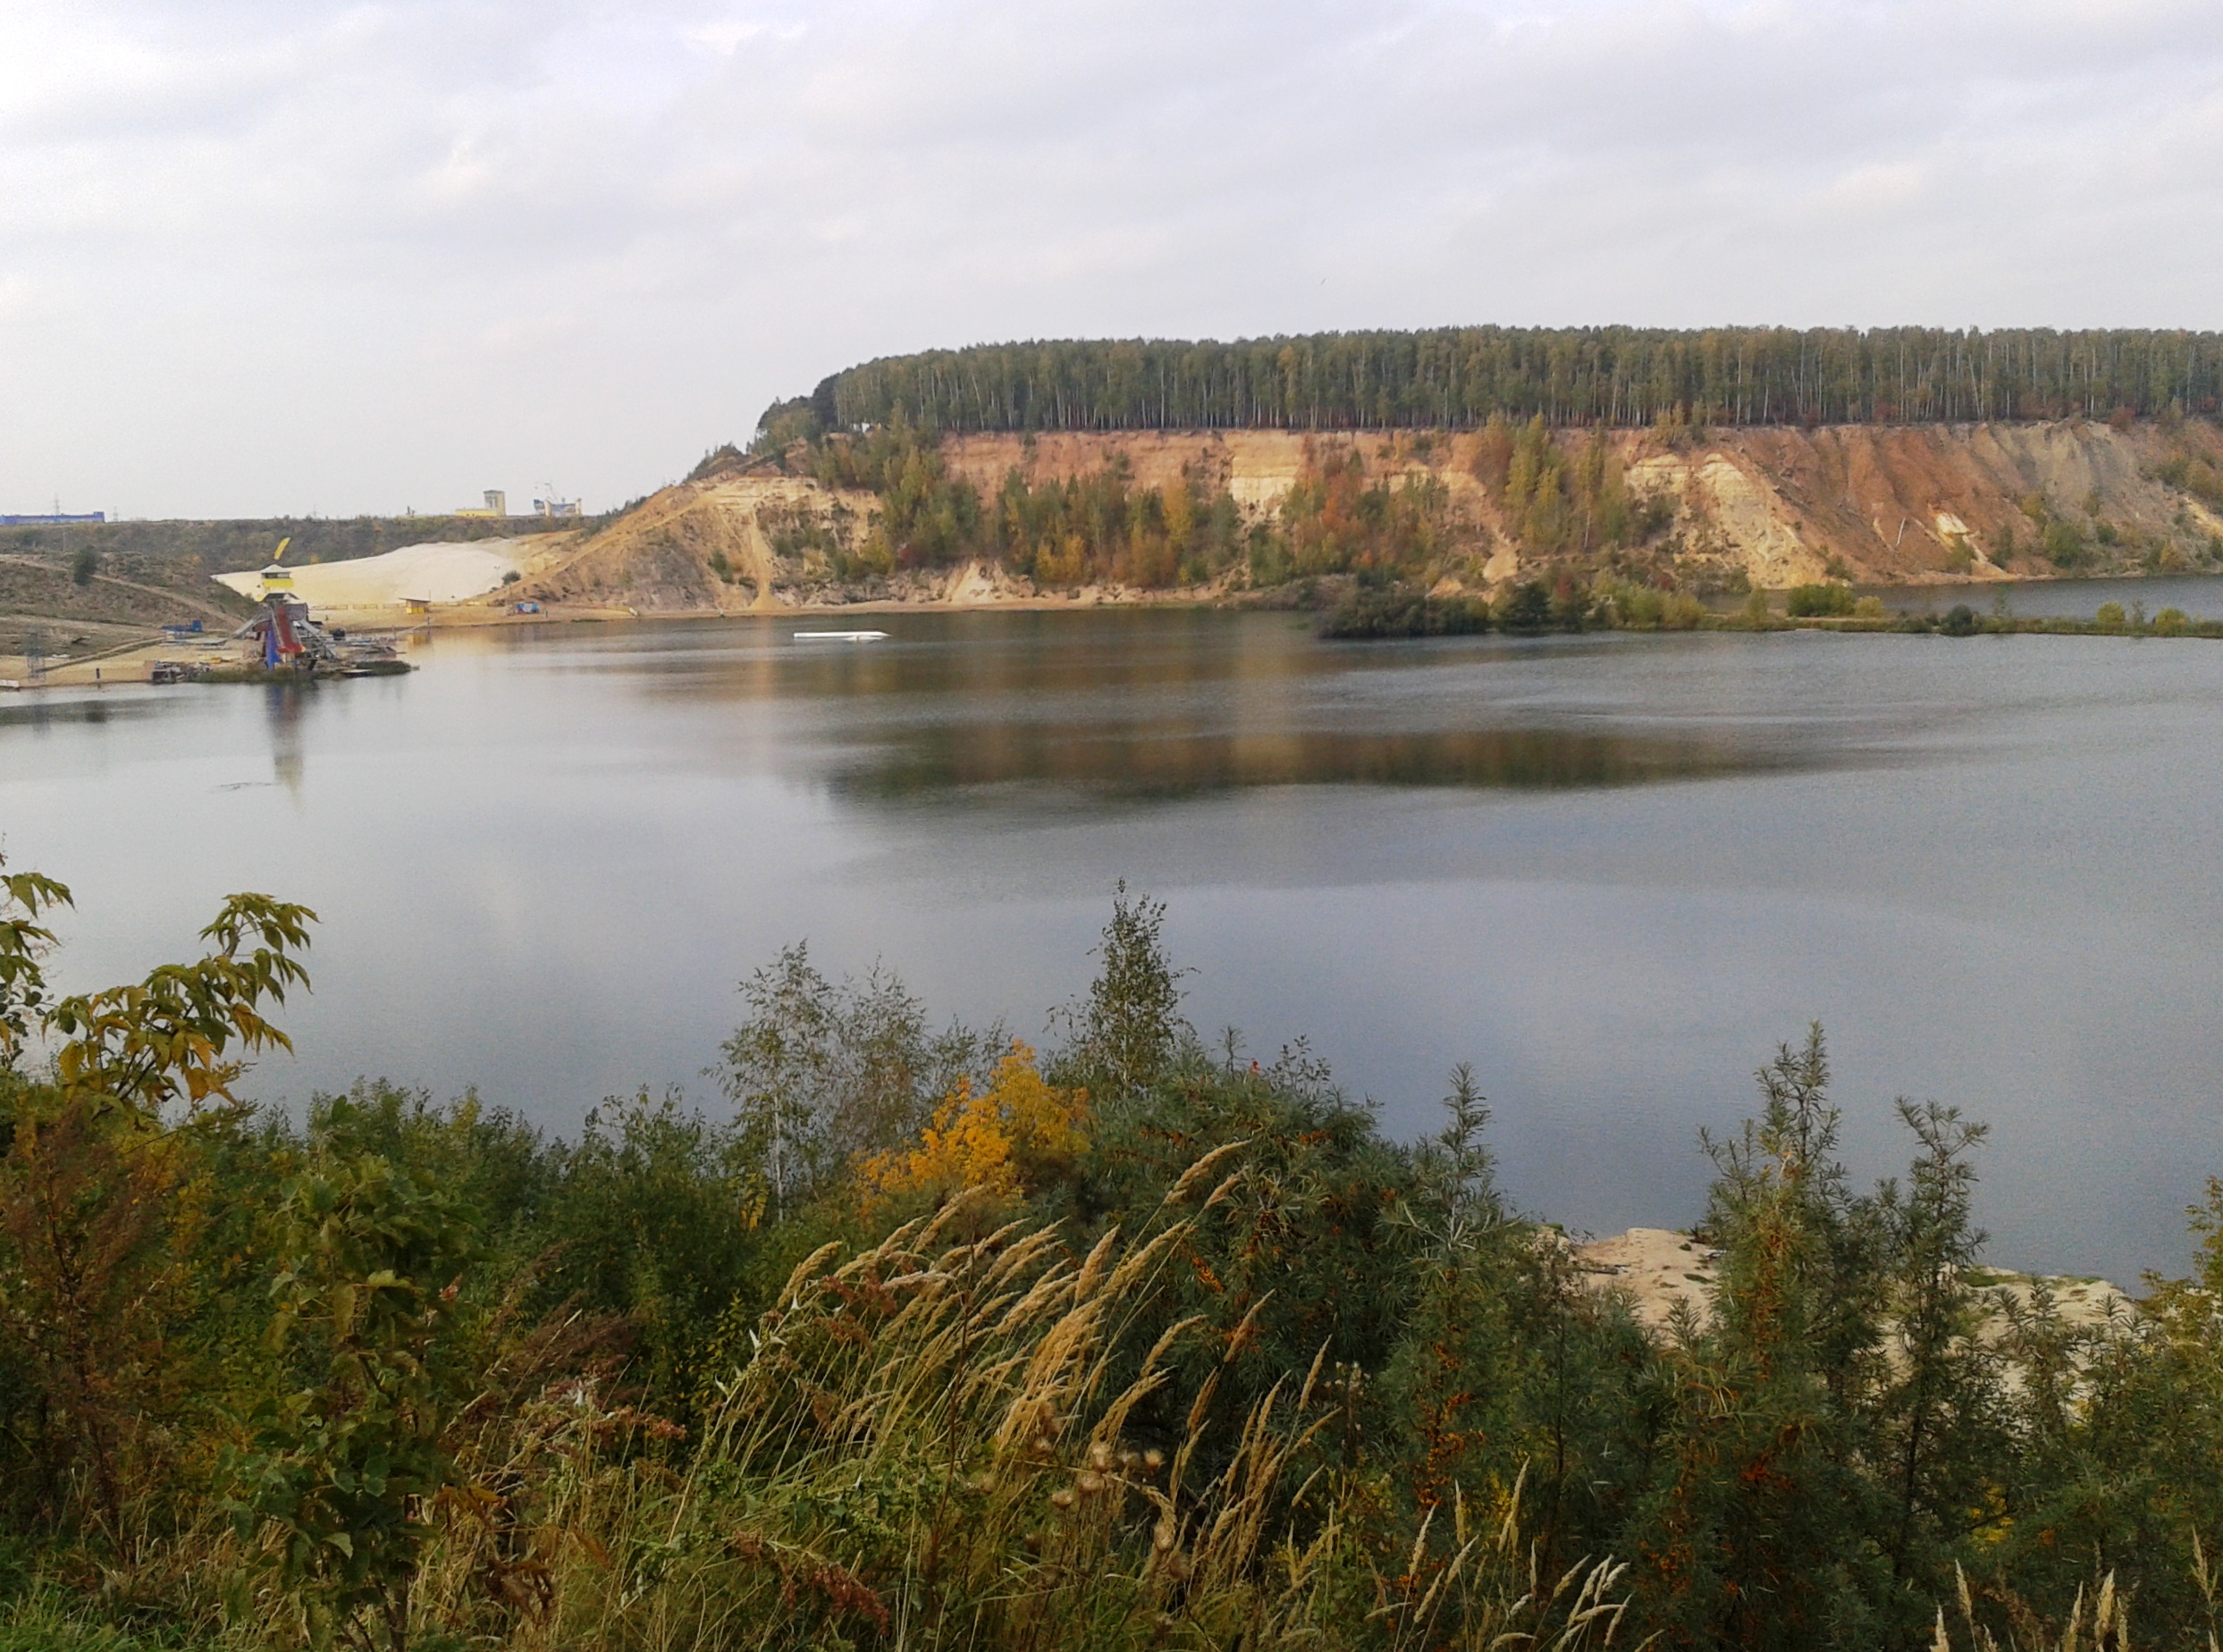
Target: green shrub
355, 1447
1638, 606
1820, 602
2064, 543
1528, 607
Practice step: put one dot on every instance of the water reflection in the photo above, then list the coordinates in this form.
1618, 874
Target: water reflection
1156, 761
2200, 596
52, 709
940, 655
281, 711
1171, 705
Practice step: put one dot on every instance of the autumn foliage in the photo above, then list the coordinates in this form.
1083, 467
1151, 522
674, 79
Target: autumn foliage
1017, 1124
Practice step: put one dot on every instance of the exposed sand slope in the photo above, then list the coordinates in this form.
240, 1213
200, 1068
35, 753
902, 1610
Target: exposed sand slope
1658, 1269
699, 547
764, 543
1888, 502
1258, 467
1783, 507
439, 572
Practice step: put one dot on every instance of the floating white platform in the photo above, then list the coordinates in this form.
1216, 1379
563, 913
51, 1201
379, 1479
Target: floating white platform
840, 636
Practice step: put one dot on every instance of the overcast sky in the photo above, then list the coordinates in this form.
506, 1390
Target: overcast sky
290, 257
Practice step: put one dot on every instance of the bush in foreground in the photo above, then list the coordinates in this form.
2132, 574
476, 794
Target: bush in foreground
933, 1344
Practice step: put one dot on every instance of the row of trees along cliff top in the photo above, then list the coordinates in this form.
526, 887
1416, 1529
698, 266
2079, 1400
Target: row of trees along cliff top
1458, 377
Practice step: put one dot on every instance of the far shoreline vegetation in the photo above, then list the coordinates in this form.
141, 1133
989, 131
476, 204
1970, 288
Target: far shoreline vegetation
1386, 611
925, 1338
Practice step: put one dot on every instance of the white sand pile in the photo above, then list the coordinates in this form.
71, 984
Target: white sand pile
1659, 1269
441, 573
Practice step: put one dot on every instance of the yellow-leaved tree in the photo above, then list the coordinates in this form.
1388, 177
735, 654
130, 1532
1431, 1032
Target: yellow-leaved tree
999, 1139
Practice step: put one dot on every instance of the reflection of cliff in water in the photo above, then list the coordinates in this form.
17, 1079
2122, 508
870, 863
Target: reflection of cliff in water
48, 711
1147, 761
1168, 705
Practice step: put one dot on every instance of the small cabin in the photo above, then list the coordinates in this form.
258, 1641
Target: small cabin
417, 605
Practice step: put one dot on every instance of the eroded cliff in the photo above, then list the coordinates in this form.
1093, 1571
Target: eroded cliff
1767, 508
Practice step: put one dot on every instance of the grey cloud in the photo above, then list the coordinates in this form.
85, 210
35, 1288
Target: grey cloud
352, 257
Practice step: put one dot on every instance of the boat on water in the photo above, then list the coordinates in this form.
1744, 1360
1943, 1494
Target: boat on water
840, 636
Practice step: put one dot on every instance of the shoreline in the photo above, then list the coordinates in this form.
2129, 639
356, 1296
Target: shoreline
128, 662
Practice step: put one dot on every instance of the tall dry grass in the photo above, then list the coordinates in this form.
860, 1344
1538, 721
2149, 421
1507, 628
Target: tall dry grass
2098, 1621
931, 1444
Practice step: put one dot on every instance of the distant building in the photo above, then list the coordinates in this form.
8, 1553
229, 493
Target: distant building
51, 520
555, 506
497, 505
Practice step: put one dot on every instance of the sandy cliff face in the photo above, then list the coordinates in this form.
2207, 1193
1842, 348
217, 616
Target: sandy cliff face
738, 545
1783, 507
1258, 467
1892, 502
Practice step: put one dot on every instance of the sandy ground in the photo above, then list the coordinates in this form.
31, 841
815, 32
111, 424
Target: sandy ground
1659, 1268
128, 663
438, 572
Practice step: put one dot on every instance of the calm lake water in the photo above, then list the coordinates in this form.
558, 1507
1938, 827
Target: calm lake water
2200, 596
1611, 871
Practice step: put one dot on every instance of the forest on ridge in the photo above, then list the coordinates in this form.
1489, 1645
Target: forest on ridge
1457, 377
